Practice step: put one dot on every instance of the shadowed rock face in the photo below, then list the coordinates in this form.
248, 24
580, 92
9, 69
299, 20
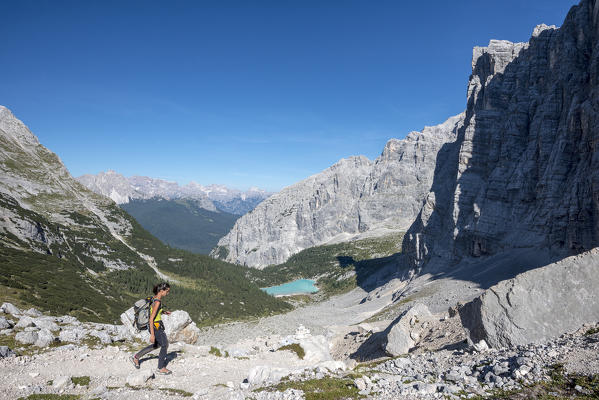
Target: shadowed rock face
536, 305
350, 198
523, 171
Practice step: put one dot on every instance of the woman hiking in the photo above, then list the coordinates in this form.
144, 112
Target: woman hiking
157, 334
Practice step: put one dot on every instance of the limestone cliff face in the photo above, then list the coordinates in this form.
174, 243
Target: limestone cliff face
524, 170
353, 197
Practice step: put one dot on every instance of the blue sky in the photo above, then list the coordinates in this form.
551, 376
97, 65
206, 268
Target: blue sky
242, 93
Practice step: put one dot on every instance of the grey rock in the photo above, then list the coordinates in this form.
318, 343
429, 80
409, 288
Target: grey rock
537, 305
6, 352
103, 336
4, 324
26, 337
98, 390
140, 377
32, 312
62, 382
401, 332
67, 319
8, 308
73, 335
426, 388
46, 323
354, 197
360, 384
200, 393
402, 362
398, 341
180, 327
500, 370
263, 374
25, 322
455, 376
44, 338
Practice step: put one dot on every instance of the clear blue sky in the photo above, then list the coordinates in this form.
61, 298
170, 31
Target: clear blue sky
242, 93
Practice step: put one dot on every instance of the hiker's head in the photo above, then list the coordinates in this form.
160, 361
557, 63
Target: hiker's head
163, 286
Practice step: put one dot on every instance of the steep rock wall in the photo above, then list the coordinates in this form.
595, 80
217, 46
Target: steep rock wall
523, 171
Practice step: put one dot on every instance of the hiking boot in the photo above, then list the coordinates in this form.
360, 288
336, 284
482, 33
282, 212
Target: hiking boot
161, 372
135, 361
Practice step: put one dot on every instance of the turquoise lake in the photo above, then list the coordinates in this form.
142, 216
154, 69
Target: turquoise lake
300, 286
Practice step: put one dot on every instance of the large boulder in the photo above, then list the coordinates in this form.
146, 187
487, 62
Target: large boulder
62, 382
32, 312
26, 337
264, 374
402, 332
102, 335
44, 338
316, 349
139, 378
73, 335
536, 305
4, 324
8, 308
128, 319
179, 327
25, 322
46, 323
5, 351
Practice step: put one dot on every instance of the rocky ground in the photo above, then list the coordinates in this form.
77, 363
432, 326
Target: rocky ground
60, 355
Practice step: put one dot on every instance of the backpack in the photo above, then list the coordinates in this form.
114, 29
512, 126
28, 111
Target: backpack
141, 309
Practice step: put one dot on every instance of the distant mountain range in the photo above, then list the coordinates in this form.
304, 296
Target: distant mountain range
213, 197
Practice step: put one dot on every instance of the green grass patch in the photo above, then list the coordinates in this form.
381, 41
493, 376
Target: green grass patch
328, 388
294, 348
216, 352
592, 331
80, 380
133, 387
176, 392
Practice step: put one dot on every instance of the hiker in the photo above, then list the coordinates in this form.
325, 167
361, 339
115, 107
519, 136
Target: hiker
156, 327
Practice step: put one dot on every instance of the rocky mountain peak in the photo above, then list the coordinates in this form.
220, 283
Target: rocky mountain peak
352, 198
541, 28
16, 130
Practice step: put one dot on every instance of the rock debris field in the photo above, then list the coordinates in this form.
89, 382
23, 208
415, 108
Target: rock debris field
61, 355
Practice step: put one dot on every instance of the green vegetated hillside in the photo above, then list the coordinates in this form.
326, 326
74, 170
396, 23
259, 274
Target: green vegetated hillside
67, 281
66, 250
181, 223
337, 268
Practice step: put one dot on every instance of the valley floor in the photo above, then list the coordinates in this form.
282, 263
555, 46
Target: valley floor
231, 361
